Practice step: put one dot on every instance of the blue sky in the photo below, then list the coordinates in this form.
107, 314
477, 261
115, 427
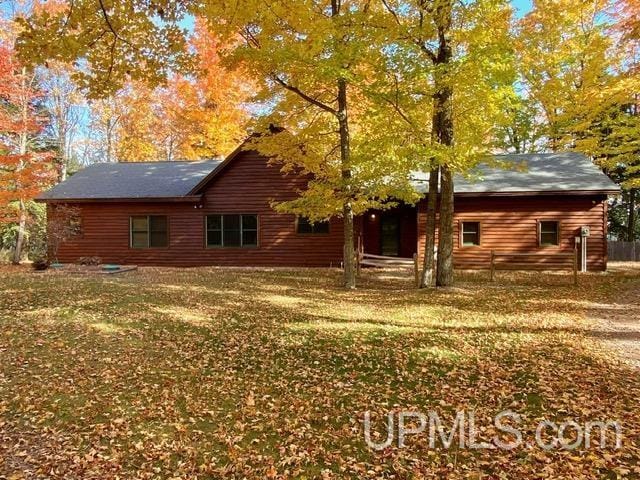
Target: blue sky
521, 6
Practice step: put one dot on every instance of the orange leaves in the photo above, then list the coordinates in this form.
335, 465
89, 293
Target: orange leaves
25, 172
190, 117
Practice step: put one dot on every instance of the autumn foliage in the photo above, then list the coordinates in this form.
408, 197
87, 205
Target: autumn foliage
191, 117
24, 171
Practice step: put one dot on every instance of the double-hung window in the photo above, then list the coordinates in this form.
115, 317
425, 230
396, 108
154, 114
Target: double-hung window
149, 231
548, 233
231, 230
469, 234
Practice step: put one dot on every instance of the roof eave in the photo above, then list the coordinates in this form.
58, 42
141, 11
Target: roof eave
521, 193
183, 199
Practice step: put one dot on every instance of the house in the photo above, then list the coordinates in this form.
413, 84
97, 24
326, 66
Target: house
220, 213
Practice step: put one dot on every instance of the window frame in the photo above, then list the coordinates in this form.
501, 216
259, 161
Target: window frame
558, 233
461, 243
312, 233
148, 231
222, 245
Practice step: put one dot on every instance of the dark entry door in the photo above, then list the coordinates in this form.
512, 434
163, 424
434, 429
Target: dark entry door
390, 235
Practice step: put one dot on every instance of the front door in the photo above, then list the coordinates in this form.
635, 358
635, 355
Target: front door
390, 235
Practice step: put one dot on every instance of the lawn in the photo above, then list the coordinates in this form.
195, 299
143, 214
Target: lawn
234, 373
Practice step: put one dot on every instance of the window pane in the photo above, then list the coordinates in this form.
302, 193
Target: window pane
470, 233
139, 224
249, 238
548, 239
158, 223
470, 239
214, 222
321, 227
231, 238
549, 233
214, 238
139, 240
249, 222
231, 222
158, 239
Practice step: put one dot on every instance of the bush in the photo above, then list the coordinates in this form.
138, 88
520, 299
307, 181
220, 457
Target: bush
40, 264
89, 260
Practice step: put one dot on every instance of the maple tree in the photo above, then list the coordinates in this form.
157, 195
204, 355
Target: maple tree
450, 77
24, 167
314, 61
188, 118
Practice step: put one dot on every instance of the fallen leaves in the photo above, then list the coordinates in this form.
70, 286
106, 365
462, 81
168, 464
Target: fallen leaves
209, 373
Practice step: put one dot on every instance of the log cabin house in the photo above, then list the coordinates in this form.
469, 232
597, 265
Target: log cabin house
219, 213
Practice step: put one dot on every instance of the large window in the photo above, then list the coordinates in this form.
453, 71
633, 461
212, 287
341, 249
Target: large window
470, 234
149, 231
549, 233
232, 230
304, 226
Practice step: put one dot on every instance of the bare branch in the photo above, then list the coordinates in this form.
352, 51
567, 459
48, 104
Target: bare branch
304, 96
108, 21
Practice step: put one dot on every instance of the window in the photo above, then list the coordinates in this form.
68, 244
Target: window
232, 230
304, 226
149, 231
549, 233
470, 233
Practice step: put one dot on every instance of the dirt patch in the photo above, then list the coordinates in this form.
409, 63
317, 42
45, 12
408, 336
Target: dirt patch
618, 323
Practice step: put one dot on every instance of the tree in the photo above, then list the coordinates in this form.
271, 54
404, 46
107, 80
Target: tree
63, 224
314, 61
563, 54
24, 170
455, 67
64, 102
189, 118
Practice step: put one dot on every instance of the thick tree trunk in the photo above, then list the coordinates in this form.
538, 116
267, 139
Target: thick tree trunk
347, 209
631, 219
444, 276
428, 264
443, 134
22, 224
443, 130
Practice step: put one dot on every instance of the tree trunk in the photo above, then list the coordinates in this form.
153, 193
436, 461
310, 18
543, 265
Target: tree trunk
347, 208
22, 223
426, 279
443, 131
443, 134
444, 276
631, 219
22, 209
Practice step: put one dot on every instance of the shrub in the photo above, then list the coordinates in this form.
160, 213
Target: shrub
40, 264
89, 260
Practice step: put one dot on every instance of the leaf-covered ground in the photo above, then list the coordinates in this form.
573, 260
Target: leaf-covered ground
223, 373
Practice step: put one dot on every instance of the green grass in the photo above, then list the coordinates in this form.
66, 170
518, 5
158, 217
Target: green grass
211, 373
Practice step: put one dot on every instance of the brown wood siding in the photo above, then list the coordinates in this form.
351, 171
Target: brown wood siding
248, 185
510, 224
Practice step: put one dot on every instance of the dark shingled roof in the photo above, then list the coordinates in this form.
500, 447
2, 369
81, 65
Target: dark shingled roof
132, 180
544, 172
535, 172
